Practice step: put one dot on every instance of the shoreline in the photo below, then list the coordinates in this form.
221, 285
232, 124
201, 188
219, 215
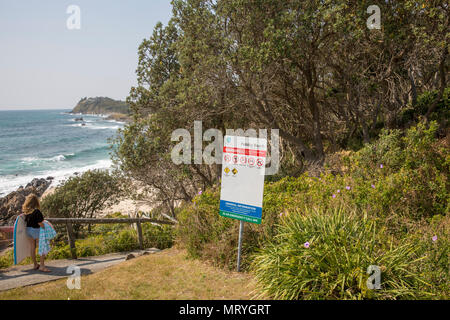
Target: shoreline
58, 176
12, 180
113, 116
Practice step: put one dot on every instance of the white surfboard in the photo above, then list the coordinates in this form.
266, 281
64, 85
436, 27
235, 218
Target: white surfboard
22, 245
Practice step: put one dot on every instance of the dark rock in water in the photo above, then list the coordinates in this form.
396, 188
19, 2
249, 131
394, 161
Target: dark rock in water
50, 178
11, 205
78, 119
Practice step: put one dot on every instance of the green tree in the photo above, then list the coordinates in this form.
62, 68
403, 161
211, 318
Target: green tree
311, 69
85, 195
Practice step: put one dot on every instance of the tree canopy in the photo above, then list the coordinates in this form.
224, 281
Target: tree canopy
312, 69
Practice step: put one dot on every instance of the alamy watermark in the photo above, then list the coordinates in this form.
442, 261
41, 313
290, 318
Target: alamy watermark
374, 21
73, 22
213, 152
74, 280
374, 280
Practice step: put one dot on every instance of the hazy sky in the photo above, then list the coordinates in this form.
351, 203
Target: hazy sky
45, 65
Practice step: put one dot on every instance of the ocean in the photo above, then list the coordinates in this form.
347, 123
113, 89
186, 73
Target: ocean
43, 143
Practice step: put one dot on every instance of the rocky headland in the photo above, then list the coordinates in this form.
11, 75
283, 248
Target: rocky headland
115, 109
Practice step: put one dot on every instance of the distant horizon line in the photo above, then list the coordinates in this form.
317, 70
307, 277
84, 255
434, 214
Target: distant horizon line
33, 109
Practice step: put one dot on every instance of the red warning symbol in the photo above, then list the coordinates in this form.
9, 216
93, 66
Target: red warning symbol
259, 162
227, 158
243, 160
235, 159
251, 161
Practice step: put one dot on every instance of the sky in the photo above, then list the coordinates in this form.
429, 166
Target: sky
46, 65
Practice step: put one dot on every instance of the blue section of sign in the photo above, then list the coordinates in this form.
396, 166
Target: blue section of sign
241, 209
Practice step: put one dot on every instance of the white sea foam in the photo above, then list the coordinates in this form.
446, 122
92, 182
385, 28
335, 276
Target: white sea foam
60, 157
115, 121
11, 183
57, 158
29, 159
104, 127
93, 126
60, 165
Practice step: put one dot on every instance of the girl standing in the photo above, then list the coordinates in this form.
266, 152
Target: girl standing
34, 220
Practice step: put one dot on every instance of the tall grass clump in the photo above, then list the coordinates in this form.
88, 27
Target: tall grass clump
321, 254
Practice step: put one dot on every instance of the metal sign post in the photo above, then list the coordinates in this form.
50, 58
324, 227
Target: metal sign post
242, 187
241, 233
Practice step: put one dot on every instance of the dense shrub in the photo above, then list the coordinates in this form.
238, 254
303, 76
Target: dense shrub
206, 234
432, 241
326, 254
410, 172
441, 112
84, 195
156, 236
401, 184
6, 259
125, 240
199, 225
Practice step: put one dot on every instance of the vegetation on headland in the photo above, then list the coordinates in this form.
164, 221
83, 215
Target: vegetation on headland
101, 105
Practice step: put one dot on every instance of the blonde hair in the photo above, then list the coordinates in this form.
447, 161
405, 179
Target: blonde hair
31, 203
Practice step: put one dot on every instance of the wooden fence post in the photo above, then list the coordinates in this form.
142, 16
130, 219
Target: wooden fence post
71, 237
139, 231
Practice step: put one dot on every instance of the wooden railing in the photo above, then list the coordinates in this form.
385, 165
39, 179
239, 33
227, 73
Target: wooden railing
69, 222
71, 236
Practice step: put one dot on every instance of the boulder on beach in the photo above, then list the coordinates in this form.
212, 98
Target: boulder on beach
11, 205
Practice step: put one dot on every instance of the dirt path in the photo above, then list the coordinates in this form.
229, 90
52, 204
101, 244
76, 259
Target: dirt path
20, 276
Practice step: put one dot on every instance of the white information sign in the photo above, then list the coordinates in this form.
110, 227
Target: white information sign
243, 168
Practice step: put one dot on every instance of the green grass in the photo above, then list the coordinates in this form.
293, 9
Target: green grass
167, 275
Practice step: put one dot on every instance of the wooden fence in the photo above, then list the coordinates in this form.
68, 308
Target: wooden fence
69, 222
